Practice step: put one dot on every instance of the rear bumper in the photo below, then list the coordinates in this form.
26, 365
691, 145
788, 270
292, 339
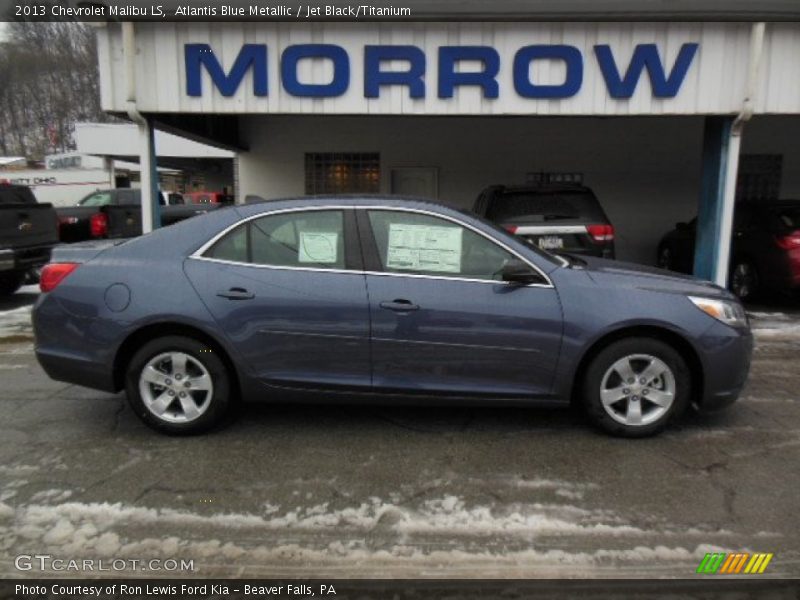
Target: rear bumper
22, 259
726, 356
76, 370
66, 350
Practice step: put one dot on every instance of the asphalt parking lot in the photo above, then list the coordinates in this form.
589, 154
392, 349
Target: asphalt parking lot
399, 492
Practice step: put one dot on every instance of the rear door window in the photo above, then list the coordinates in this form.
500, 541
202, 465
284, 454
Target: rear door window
303, 239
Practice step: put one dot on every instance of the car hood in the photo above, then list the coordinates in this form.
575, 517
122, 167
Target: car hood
613, 272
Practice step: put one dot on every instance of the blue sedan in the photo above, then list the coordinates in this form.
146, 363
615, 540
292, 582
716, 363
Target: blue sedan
380, 299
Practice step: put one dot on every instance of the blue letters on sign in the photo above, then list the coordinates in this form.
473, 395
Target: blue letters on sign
645, 56
572, 82
449, 78
251, 55
374, 78
341, 70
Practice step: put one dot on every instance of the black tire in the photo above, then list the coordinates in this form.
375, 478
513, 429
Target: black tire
10, 282
631, 347
744, 280
214, 403
664, 260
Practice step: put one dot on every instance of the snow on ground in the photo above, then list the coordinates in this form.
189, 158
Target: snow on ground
444, 532
16, 322
774, 325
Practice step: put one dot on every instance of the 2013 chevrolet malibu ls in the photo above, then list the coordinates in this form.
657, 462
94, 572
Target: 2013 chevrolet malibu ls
384, 300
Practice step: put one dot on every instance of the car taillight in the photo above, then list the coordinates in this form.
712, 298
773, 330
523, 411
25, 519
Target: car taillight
53, 274
789, 242
98, 225
510, 228
601, 233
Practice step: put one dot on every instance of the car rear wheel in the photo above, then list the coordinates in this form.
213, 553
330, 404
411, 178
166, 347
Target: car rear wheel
178, 385
665, 258
744, 280
636, 386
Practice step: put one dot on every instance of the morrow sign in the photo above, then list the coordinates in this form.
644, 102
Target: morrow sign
458, 66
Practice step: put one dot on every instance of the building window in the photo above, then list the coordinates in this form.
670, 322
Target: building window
759, 177
343, 172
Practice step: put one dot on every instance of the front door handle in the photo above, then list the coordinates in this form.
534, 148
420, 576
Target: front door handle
399, 305
236, 294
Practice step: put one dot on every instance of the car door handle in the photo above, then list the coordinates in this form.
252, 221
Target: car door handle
236, 294
399, 305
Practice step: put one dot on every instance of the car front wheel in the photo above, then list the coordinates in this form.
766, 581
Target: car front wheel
178, 385
634, 387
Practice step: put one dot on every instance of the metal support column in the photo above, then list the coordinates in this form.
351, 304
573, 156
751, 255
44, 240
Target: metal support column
151, 213
717, 196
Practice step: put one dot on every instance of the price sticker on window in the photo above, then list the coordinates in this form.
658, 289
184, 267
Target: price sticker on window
430, 248
318, 247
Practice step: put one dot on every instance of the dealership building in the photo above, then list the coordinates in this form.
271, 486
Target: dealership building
665, 120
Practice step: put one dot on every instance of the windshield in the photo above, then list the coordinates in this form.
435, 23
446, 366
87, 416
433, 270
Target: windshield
544, 206
99, 199
789, 217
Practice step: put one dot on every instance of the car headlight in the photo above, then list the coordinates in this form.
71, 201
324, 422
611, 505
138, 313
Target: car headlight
730, 313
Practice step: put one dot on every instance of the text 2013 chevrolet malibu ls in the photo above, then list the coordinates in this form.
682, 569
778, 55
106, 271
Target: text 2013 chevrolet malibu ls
386, 300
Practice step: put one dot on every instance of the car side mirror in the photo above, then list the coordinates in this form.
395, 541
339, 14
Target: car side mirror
516, 271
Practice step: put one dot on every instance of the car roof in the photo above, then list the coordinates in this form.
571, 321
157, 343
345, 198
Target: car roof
256, 205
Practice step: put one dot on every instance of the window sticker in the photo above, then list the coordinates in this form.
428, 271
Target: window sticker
318, 247
424, 248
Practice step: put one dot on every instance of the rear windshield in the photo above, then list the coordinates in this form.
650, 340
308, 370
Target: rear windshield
544, 206
788, 218
16, 195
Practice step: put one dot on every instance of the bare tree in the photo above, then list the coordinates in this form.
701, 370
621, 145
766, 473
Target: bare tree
49, 82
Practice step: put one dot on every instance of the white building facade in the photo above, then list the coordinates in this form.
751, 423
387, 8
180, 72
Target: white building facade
445, 109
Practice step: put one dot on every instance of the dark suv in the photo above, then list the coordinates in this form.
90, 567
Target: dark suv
556, 217
765, 248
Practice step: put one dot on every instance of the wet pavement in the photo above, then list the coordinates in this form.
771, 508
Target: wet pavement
352, 491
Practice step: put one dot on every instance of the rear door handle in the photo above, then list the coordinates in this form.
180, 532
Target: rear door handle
236, 294
399, 305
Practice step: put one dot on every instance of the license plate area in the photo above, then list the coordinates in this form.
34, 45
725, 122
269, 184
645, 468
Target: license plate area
550, 242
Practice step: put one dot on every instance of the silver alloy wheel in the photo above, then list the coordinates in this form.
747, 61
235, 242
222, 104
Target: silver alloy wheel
637, 390
176, 387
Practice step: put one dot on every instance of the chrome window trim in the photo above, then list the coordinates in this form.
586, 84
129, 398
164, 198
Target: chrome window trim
198, 254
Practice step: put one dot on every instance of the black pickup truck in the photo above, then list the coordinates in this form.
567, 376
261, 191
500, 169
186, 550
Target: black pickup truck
118, 214
28, 231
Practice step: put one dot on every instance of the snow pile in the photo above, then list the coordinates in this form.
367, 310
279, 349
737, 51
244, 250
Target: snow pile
16, 322
445, 532
774, 325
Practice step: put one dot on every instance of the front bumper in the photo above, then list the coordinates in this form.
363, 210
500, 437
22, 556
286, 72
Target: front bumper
726, 354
